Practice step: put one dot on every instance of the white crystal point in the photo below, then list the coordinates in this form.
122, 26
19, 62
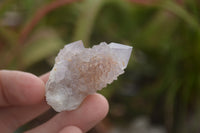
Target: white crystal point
70, 50
80, 71
122, 51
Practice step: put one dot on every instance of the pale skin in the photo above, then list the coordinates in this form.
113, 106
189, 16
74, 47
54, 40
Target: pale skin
22, 98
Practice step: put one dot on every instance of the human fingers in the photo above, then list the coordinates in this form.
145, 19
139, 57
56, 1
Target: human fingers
71, 129
20, 88
14, 116
44, 77
92, 110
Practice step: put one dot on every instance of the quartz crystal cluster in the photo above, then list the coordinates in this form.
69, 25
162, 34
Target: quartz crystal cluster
80, 71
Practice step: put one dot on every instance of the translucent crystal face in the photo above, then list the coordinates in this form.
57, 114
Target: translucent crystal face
80, 71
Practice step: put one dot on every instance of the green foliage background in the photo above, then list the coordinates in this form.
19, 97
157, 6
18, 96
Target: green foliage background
162, 80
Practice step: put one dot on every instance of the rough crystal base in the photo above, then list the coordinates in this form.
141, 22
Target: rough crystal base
80, 71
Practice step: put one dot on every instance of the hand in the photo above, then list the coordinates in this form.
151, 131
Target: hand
22, 99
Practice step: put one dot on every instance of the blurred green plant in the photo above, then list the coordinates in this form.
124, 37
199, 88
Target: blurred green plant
162, 80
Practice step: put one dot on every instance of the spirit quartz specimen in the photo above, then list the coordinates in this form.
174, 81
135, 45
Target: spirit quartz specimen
80, 71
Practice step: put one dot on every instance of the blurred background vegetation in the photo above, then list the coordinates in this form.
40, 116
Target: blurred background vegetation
160, 90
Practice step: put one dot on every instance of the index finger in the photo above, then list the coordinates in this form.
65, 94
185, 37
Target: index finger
45, 77
20, 88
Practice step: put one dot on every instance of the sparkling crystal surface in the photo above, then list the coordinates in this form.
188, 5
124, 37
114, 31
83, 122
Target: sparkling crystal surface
80, 71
